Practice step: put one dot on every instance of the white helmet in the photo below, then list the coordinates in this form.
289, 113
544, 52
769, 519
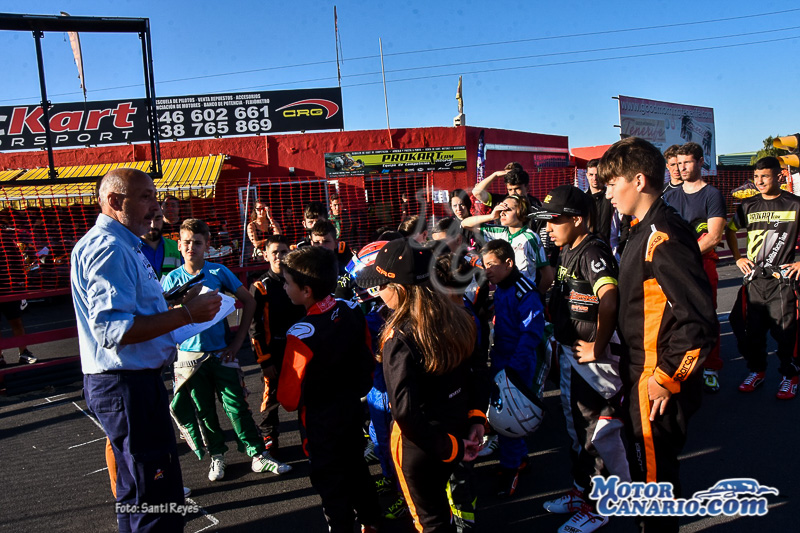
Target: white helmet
514, 410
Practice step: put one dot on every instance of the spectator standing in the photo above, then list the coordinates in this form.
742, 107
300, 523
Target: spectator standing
583, 308
667, 323
124, 330
162, 253
208, 367
529, 254
327, 369
675, 181
426, 346
518, 330
260, 227
274, 315
703, 207
767, 300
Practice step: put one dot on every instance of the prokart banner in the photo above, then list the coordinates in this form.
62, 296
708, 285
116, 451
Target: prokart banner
449, 158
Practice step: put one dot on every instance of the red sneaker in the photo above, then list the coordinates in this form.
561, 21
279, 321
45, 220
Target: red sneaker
788, 388
753, 380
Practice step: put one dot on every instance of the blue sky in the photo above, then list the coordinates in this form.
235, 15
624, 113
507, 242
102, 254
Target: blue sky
571, 59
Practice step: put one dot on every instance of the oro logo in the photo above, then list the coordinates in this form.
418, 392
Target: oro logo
313, 108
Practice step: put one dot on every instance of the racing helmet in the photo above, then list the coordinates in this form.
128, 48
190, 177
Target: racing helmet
365, 257
514, 410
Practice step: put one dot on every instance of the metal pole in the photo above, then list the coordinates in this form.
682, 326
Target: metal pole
37, 36
385, 97
150, 88
244, 224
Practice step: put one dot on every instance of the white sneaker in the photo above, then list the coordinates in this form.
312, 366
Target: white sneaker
584, 521
264, 462
489, 446
217, 470
571, 502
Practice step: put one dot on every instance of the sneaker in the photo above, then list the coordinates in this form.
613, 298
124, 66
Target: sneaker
584, 521
788, 388
710, 380
489, 446
264, 462
384, 485
369, 452
217, 470
27, 357
507, 479
187, 492
753, 380
571, 502
396, 510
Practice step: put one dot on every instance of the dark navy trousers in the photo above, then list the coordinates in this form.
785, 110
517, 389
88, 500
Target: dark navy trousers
132, 407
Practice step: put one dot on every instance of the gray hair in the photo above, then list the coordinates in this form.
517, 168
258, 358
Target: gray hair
114, 181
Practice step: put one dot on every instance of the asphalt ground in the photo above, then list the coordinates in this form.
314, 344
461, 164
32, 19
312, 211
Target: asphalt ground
54, 476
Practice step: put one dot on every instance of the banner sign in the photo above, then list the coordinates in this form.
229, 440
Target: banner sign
75, 124
450, 158
218, 115
179, 117
665, 124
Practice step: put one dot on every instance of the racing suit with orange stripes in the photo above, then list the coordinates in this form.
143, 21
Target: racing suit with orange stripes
433, 414
669, 325
274, 315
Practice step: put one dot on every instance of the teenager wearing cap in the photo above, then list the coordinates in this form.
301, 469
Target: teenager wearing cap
529, 254
583, 308
425, 349
667, 321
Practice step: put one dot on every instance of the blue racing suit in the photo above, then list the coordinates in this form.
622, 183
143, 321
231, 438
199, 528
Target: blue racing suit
518, 330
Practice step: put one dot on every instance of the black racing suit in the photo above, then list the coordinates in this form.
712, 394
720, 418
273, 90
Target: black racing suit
767, 300
327, 369
669, 325
274, 315
433, 414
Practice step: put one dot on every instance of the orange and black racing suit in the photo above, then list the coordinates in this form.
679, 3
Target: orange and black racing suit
669, 325
433, 414
274, 315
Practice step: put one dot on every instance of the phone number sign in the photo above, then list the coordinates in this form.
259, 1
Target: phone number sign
179, 117
218, 115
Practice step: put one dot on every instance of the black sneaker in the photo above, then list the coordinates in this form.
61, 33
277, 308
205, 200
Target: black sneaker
27, 357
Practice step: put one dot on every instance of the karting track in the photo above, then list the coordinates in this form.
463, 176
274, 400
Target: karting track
54, 476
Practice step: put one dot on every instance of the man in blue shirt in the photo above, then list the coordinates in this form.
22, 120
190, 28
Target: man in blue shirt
162, 252
124, 330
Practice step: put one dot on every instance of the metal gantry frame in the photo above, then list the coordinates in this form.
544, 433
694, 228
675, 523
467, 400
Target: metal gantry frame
39, 24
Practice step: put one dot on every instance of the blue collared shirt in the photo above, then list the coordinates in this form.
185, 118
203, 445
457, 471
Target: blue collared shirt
156, 257
113, 282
